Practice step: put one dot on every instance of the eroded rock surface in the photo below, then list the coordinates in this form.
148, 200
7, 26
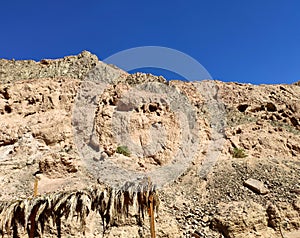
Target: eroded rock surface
208, 198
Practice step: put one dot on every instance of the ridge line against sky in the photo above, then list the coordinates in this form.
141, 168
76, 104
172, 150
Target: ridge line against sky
243, 41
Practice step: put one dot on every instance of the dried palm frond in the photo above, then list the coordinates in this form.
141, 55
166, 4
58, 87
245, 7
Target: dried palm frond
112, 205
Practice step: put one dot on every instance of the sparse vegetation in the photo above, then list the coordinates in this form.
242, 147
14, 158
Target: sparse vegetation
235, 117
239, 153
123, 150
285, 126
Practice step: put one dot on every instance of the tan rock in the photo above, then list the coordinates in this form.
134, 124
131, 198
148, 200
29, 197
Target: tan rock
37, 134
256, 186
242, 219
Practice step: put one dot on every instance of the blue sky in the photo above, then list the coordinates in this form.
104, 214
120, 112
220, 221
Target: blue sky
255, 41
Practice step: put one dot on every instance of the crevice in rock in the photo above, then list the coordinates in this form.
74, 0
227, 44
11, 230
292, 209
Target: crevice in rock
271, 107
242, 107
294, 121
7, 108
8, 142
29, 114
5, 94
153, 107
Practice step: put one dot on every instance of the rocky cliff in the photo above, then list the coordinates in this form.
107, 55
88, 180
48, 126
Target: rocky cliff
225, 156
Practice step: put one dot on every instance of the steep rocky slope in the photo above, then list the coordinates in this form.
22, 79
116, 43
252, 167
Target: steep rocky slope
200, 142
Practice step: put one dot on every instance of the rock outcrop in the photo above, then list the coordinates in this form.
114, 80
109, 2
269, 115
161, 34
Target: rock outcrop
181, 134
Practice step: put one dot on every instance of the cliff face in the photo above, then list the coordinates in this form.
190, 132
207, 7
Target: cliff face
225, 156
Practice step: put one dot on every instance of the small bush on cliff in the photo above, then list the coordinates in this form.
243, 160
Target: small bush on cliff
239, 153
123, 150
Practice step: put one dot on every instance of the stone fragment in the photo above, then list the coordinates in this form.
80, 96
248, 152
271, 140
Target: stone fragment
205, 219
96, 159
104, 156
240, 219
297, 191
256, 186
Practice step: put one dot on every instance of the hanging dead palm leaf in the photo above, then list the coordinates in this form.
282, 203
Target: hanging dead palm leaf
32, 214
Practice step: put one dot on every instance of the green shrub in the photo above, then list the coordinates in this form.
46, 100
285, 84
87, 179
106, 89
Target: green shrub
123, 149
238, 153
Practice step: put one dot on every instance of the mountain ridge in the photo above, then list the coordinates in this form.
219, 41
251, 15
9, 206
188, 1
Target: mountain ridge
239, 132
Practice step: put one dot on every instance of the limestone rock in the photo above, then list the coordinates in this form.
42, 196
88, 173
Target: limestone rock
256, 186
241, 219
74, 67
37, 128
57, 165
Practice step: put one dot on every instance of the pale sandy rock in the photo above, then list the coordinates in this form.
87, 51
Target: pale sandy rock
241, 219
75, 67
57, 165
37, 127
256, 186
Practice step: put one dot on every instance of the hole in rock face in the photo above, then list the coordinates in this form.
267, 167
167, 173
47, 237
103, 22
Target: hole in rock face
239, 131
278, 117
143, 108
271, 107
242, 107
44, 62
282, 88
294, 121
5, 93
31, 101
7, 109
153, 107
111, 102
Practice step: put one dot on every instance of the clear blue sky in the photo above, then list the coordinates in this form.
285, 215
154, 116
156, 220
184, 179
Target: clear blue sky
255, 41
